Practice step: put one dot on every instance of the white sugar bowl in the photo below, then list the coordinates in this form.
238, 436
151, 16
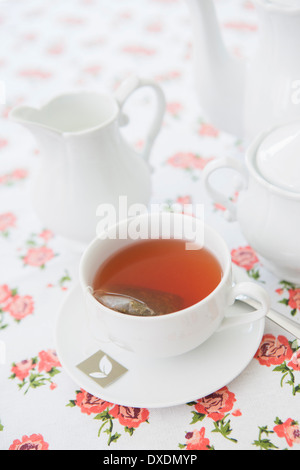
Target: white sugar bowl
268, 206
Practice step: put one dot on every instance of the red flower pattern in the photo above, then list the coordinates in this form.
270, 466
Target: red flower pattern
130, 417
48, 360
22, 369
89, 404
38, 256
208, 130
273, 351
7, 220
20, 307
295, 361
196, 440
244, 257
5, 293
33, 442
290, 431
216, 405
189, 160
294, 300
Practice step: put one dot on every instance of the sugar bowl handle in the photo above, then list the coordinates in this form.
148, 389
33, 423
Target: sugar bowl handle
216, 195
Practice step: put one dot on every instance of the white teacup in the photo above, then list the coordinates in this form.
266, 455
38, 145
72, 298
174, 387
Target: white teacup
174, 333
268, 206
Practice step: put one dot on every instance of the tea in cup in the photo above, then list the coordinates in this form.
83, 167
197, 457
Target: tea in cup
162, 296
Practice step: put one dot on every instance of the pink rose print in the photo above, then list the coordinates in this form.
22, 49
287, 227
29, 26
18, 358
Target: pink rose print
182, 160
19, 174
292, 296
273, 351
55, 49
35, 73
184, 200
208, 130
130, 417
244, 257
249, 5
154, 27
73, 20
22, 369
3, 143
196, 440
9, 179
37, 371
294, 300
295, 361
33, 442
7, 220
188, 160
93, 69
5, 293
241, 26
171, 75
216, 405
46, 235
20, 306
48, 360
288, 430
38, 257
237, 413
139, 50
174, 108
277, 352
89, 404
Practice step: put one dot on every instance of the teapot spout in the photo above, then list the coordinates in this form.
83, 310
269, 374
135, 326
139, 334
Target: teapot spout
220, 77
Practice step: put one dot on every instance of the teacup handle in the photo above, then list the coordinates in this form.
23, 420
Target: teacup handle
254, 291
122, 94
217, 196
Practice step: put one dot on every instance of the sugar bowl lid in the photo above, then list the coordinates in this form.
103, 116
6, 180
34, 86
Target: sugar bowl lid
278, 157
284, 3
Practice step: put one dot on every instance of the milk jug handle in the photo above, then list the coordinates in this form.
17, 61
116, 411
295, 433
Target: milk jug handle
126, 89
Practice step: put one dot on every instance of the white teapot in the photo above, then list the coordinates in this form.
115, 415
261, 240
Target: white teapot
85, 161
268, 206
245, 97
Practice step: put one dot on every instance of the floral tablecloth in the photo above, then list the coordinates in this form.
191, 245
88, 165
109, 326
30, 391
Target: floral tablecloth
49, 47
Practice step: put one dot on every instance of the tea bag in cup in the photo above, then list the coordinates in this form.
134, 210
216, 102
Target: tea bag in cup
139, 301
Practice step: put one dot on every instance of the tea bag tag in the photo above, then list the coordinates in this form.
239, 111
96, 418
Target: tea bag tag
102, 368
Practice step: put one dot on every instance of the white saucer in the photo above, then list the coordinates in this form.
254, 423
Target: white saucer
161, 382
